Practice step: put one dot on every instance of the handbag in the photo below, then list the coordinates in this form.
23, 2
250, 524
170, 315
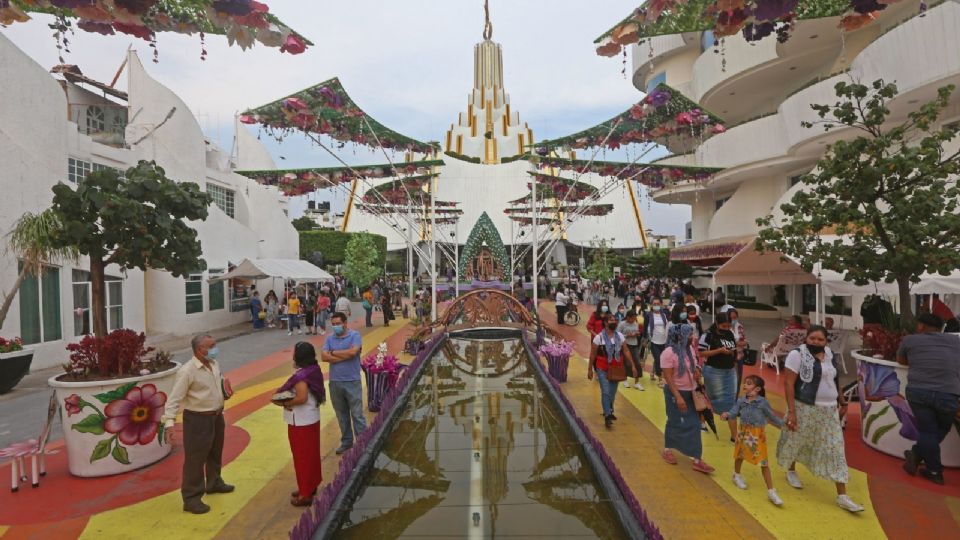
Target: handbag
700, 401
750, 357
365, 304
616, 372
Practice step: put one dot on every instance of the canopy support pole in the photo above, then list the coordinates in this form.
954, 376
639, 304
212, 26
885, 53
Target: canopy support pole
410, 259
535, 239
456, 259
433, 249
713, 296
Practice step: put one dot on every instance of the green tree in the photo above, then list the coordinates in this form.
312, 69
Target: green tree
600, 267
362, 260
303, 223
888, 193
30, 241
655, 262
137, 221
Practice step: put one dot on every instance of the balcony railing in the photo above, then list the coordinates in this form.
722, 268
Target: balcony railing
104, 123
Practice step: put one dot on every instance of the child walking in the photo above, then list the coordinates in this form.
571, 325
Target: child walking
754, 412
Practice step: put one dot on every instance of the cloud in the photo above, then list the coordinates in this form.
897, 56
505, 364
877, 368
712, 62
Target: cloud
407, 63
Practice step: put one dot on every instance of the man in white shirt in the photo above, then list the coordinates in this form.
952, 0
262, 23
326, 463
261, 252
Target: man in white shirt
343, 305
562, 300
199, 389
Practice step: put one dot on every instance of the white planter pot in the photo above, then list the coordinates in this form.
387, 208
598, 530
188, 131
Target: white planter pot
883, 408
112, 427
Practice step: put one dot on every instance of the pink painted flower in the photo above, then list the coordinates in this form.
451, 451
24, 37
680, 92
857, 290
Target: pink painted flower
293, 45
73, 404
136, 416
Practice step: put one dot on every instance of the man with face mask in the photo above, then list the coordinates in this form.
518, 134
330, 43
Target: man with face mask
201, 390
342, 352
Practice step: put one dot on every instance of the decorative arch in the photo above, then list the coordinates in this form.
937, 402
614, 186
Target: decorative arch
483, 239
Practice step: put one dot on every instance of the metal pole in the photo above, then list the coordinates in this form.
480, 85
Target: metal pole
535, 240
410, 258
456, 258
512, 242
433, 249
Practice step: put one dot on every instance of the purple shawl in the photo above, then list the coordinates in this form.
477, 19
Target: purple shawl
314, 379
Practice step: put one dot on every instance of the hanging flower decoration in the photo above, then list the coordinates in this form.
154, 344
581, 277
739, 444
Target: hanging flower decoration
649, 174
664, 116
295, 182
327, 109
526, 220
589, 210
243, 22
721, 251
756, 19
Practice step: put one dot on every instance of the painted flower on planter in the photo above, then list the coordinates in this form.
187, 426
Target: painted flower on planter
136, 417
881, 383
73, 404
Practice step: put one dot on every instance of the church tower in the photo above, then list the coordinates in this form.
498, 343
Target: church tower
489, 129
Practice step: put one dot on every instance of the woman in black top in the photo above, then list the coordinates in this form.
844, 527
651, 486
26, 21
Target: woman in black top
719, 347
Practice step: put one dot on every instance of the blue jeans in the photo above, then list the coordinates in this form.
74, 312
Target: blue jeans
721, 386
934, 412
608, 392
369, 316
347, 400
293, 321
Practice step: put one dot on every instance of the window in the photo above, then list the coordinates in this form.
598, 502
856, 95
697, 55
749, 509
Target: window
222, 197
40, 307
95, 119
655, 80
721, 202
707, 40
194, 290
83, 300
77, 169
216, 293
736, 291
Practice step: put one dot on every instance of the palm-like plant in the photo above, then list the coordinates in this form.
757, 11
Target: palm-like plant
30, 242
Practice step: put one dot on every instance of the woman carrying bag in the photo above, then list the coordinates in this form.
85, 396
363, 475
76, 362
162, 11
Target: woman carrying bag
607, 356
302, 414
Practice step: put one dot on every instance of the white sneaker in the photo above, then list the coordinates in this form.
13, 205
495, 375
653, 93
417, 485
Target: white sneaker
844, 501
738, 481
774, 498
639, 386
626, 384
300, 332
289, 333
794, 480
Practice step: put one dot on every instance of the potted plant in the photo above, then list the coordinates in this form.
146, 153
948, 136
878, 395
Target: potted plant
14, 363
111, 397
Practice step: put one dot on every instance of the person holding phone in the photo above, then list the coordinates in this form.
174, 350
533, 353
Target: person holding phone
718, 346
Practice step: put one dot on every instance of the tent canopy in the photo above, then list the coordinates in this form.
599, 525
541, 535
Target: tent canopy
751, 267
288, 269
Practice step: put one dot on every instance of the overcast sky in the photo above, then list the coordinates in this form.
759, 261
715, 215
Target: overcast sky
407, 63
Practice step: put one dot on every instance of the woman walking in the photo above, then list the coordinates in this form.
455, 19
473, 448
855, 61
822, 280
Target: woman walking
257, 311
273, 308
302, 415
681, 370
719, 346
814, 436
322, 311
655, 328
606, 352
595, 322
386, 308
310, 312
632, 330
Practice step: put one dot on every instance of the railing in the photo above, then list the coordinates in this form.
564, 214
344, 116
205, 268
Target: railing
104, 123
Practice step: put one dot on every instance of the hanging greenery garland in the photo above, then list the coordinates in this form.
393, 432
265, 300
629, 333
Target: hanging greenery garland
484, 234
302, 181
649, 174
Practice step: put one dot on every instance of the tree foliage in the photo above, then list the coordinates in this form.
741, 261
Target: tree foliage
134, 221
889, 195
333, 245
600, 267
30, 241
655, 262
304, 223
362, 260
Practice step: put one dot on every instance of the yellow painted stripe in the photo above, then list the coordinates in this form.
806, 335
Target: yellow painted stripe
4, 529
259, 463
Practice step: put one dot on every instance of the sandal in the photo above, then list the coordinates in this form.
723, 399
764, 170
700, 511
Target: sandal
701, 466
301, 501
668, 456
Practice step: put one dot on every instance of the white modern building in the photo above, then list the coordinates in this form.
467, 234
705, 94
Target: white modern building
480, 175
57, 128
763, 91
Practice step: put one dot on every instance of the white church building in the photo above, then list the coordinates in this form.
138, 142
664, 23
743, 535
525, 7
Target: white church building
57, 128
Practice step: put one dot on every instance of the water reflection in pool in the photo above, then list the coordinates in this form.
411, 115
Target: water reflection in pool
480, 452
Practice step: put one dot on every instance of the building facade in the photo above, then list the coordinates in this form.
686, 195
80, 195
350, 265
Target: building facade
764, 90
58, 128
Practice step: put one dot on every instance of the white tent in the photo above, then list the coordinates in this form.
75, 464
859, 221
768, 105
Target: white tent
834, 285
751, 267
287, 269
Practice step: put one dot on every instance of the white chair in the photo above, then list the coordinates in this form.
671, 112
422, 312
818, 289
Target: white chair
788, 341
837, 340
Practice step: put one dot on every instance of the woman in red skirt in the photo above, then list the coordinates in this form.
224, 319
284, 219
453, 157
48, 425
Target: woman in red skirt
302, 415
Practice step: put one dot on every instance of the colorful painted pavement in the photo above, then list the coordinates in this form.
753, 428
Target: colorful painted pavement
684, 503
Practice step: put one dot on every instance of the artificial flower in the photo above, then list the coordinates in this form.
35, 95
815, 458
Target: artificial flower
248, 119
98, 28
293, 45
856, 21
137, 7
70, 4
135, 30
772, 10
93, 13
729, 22
10, 14
867, 6
233, 7
658, 98
654, 8
627, 34
609, 48
756, 32
135, 417
241, 35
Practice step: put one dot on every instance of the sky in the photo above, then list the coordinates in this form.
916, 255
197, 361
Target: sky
407, 63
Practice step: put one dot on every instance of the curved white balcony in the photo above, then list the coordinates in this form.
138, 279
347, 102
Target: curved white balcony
651, 54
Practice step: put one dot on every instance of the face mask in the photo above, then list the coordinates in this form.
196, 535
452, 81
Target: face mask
683, 316
604, 309
612, 326
213, 353
338, 329
657, 308
621, 310
815, 349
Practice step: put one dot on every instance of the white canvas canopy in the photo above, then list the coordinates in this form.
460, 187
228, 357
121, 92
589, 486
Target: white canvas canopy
287, 269
834, 285
751, 267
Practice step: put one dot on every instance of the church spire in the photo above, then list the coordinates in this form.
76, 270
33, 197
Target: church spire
487, 25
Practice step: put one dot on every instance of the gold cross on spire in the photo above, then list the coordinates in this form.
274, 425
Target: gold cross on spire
487, 25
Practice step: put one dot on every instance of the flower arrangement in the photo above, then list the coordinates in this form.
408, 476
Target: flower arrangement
302, 181
381, 362
558, 348
11, 345
558, 358
120, 354
648, 174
